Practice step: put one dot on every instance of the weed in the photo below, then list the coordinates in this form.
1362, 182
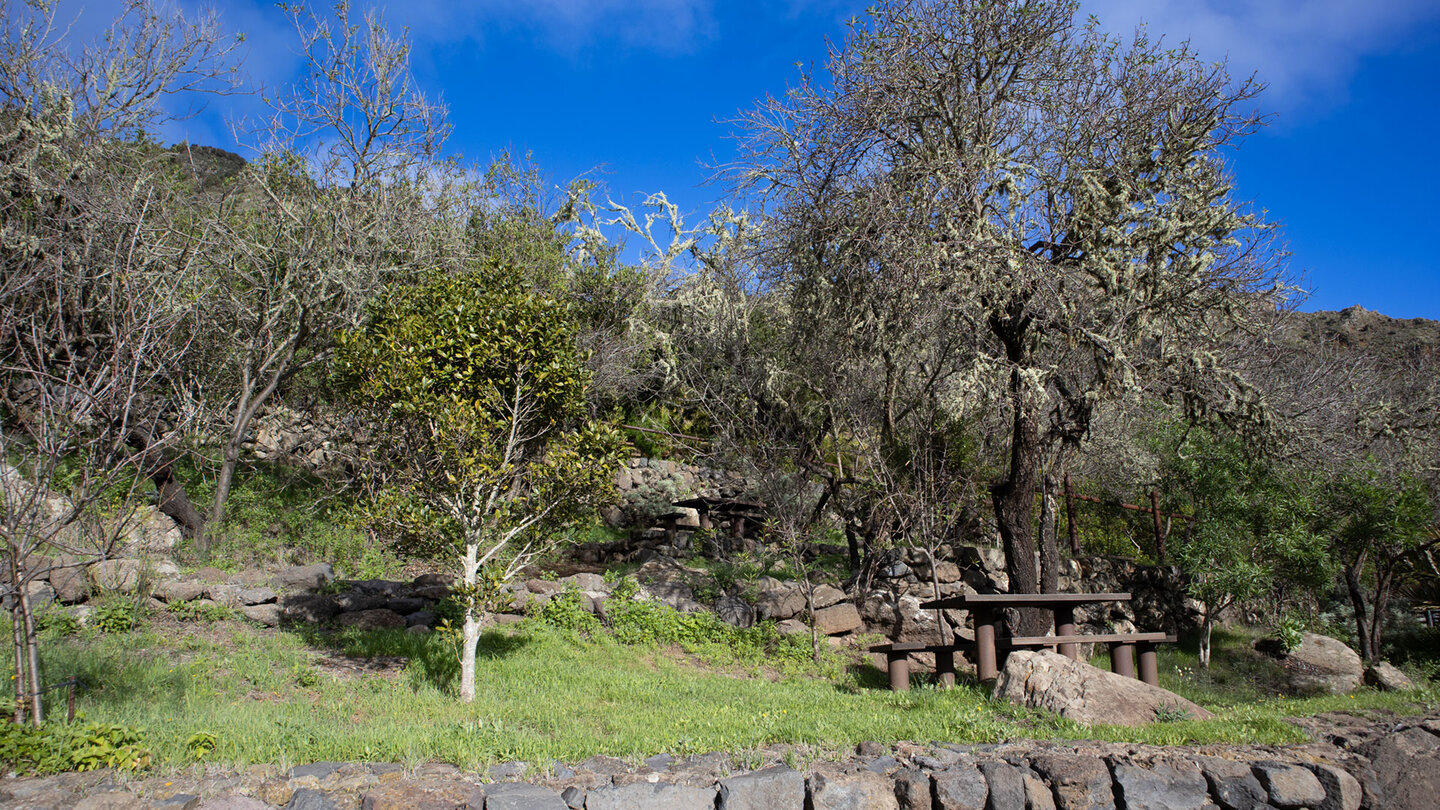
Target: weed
200, 745
54, 748
117, 616
197, 610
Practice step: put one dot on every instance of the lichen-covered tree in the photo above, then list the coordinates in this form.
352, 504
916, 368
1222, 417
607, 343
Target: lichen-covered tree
477, 385
995, 207
96, 277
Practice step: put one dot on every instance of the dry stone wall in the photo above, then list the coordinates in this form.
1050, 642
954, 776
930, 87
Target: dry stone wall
1355, 764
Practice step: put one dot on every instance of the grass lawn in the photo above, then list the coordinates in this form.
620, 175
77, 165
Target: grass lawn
546, 694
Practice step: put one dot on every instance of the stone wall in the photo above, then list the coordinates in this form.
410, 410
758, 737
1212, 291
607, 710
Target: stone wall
1375, 764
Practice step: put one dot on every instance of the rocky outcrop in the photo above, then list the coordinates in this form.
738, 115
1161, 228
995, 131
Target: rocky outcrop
1387, 678
1077, 691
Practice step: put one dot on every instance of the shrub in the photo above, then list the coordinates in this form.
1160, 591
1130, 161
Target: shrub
116, 616
567, 610
55, 748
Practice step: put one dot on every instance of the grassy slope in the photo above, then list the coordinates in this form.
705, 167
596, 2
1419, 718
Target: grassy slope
545, 694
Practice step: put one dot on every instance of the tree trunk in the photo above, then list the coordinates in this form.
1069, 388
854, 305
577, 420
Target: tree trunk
171, 499
470, 632
1049, 541
1206, 625
470, 639
1357, 601
1014, 501
17, 629
32, 654
230, 458
1384, 581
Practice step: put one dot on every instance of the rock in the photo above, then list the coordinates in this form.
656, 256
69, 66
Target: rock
230, 802
1388, 678
1323, 664
780, 604
379, 619
71, 585
255, 596
311, 610
1233, 784
1077, 691
1406, 765
522, 796
319, 770
912, 790
1289, 786
405, 795
543, 587
432, 580
827, 595
305, 576
590, 583
651, 796
39, 594
1166, 786
268, 615
1342, 791
862, 790
574, 798
165, 568
405, 605
1078, 782
791, 627
417, 630
1038, 795
841, 618
172, 590
355, 601
309, 799
734, 611
675, 594
420, 618
1007, 784
224, 594
115, 576
960, 787
774, 788
114, 800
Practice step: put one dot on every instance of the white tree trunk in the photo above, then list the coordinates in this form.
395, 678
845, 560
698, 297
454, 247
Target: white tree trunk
1205, 642
471, 631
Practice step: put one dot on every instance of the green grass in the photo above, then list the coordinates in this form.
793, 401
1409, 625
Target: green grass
546, 694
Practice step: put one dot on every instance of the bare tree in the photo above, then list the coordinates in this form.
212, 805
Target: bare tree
981, 187
93, 285
349, 193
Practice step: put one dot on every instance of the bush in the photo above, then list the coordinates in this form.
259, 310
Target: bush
55, 748
567, 611
197, 611
116, 616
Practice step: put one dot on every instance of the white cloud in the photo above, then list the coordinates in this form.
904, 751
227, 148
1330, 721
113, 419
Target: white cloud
1305, 50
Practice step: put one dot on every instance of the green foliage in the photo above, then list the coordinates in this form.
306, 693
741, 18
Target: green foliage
117, 616
201, 744
57, 622
56, 748
567, 611
1252, 533
1290, 633
197, 611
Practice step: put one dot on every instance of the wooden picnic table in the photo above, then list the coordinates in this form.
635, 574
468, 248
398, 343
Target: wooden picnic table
987, 615
738, 511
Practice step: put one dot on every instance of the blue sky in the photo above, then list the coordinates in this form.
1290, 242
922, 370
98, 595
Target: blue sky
641, 89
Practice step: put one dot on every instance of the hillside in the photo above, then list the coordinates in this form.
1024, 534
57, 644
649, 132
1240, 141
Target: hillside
1388, 340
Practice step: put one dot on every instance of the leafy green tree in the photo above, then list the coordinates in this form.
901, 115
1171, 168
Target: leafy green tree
476, 382
1379, 528
1252, 525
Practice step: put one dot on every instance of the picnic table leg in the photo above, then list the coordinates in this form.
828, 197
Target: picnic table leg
1149, 667
945, 668
1065, 626
898, 665
985, 620
1122, 658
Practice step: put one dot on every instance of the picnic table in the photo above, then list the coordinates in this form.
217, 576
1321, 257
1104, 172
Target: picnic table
987, 616
737, 511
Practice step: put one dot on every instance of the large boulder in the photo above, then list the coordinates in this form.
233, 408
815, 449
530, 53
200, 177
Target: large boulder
1079, 782
305, 576
1387, 678
860, 790
1323, 664
71, 584
774, 788
1085, 694
780, 604
115, 576
838, 619
1175, 785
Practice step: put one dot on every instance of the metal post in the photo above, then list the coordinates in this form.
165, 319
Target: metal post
985, 668
1149, 668
898, 665
945, 668
1122, 658
1065, 626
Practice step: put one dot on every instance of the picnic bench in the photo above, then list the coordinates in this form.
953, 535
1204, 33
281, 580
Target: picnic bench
987, 617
